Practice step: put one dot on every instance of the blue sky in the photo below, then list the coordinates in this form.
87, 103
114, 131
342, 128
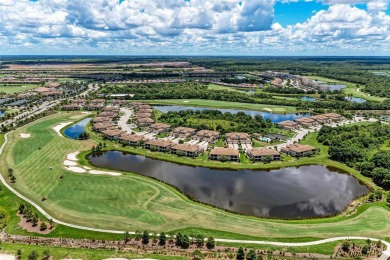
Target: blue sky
195, 27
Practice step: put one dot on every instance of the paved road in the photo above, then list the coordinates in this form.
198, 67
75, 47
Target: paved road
123, 120
385, 255
300, 134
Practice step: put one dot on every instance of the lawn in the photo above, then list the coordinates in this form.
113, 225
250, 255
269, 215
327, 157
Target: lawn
75, 253
131, 202
351, 88
224, 104
14, 89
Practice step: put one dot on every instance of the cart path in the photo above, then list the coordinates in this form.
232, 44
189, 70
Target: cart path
385, 254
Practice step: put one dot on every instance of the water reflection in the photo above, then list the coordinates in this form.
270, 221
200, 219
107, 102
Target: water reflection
75, 130
308, 191
275, 118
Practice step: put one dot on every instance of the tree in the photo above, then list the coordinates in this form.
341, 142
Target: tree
199, 240
240, 254
162, 239
145, 238
46, 254
210, 244
138, 235
179, 239
43, 226
185, 242
126, 236
345, 246
33, 255
19, 254
251, 255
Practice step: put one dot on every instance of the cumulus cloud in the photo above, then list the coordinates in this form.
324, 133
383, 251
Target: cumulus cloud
187, 26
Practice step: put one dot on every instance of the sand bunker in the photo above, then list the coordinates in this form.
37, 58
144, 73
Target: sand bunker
71, 164
76, 169
25, 135
267, 109
58, 128
7, 257
104, 172
72, 156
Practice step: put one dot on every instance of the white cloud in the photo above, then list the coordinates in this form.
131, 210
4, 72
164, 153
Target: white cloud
187, 27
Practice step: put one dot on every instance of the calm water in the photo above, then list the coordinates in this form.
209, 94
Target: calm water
1, 113
275, 118
305, 98
336, 87
355, 100
75, 130
308, 191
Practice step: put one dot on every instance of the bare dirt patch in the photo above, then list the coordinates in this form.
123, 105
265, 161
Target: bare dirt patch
28, 226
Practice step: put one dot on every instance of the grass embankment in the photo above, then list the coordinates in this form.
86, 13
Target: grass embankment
351, 88
131, 202
223, 104
76, 253
14, 89
1, 139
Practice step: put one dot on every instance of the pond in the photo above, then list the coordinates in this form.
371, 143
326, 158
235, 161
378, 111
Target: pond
336, 87
1, 113
75, 130
275, 118
304, 192
306, 98
355, 100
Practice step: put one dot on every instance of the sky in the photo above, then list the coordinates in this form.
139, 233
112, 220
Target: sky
195, 27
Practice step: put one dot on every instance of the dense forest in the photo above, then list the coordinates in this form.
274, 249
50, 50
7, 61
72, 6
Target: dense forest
195, 90
355, 70
217, 121
365, 148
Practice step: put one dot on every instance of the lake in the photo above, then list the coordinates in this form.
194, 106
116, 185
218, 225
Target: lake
306, 98
75, 130
304, 192
336, 87
355, 100
275, 118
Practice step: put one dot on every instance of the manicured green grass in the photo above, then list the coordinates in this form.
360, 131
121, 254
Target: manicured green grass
75, 253
351, 88
1, 139
13, 89
219, 87
131, 202
223, 104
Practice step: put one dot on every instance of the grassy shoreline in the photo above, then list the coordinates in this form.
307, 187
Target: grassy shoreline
154, 206
225, 105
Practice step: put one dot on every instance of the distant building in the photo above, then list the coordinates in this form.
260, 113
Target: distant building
225, 154
187, 150
207, 136
159, 145
159, 128
306, 122
133, 140
183, 132
238, 138
299, 150
289, 125
262, 154
142, 122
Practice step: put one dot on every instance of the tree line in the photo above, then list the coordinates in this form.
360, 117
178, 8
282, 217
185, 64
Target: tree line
361, 147
217, 121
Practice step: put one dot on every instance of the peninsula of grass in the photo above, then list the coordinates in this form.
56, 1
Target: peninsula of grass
350, 89
224, 104
133, 202
16, 88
